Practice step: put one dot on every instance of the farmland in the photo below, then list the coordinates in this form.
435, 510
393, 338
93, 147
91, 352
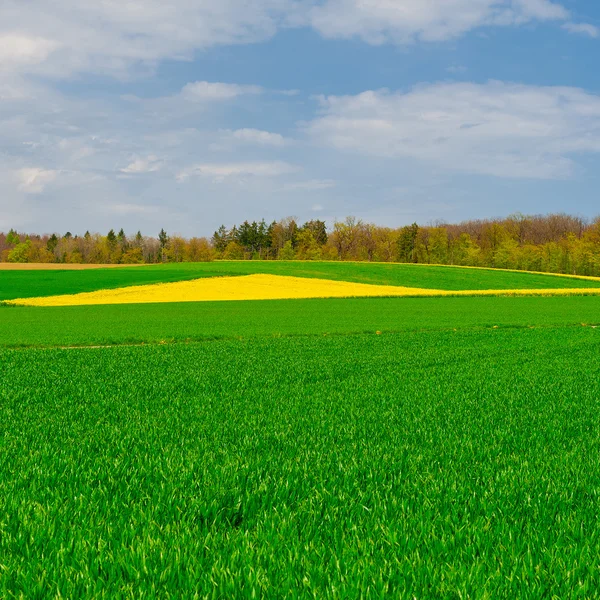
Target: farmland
189, 322
26, 284
334, 448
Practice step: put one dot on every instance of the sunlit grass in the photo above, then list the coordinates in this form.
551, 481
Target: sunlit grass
186, 321
440, 464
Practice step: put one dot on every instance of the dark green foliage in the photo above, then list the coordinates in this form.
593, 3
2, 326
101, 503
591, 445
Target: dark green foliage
163, 239
52, 243
220, 239
122, 239
111, 239
253, 237
318, 230
425, 465
407, 243
25, 284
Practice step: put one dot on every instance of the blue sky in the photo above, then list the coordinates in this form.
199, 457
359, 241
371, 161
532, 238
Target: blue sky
184, 115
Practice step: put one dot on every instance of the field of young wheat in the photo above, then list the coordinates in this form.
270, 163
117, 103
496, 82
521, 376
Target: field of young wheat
313, 448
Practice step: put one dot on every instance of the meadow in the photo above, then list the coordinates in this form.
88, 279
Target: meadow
338, 448
192, 322
27, 284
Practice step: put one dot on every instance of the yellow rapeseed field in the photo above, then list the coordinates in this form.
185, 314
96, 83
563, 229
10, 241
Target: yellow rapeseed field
264, 287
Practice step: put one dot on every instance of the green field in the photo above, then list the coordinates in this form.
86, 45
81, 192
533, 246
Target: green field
353, 448
190, 321
28, 284
426, 465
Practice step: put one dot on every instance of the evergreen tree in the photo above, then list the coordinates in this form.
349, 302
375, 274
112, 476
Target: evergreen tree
12, 238
122, 239
163, 240
220, 239
111, 239
52, 243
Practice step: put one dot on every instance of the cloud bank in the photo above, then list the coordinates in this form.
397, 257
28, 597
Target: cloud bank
499, 129
119, 38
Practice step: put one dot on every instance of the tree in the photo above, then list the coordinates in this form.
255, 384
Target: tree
19, 254
111, 239
133, 256
287, 252
307, 247
176, 249
52, 243
163, 240
366, 244
318, 230
263, 237
220, 239
407, 243
247, 236
12, 238
386, 248
200, 250
122, 240
282, 231
438, 239
346, 237
233, 251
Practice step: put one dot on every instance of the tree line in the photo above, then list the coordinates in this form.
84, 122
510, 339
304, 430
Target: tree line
556, 243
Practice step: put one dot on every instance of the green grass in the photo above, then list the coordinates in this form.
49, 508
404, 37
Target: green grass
421, 464
31, 284
27, 284
137, 323
282, 449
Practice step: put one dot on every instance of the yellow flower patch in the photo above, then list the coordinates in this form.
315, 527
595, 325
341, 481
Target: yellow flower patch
265, 287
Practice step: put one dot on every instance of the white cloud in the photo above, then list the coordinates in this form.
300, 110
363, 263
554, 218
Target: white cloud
222, 171
121, 37
205, 91
150, 164
17, 50
535, 9
258, 137
74, 150
33, 180
379, 21
582, 29
116, 36
498, 129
